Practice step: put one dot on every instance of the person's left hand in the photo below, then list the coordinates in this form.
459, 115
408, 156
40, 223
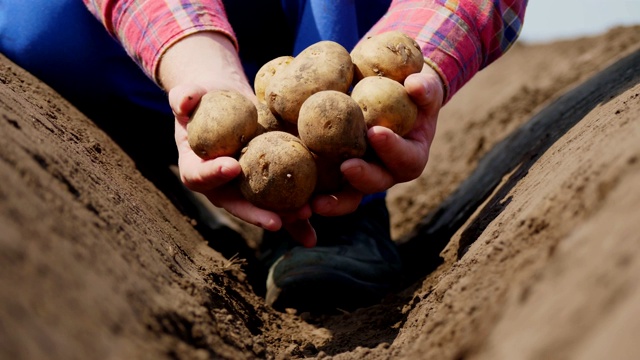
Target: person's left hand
401, 159
213, 177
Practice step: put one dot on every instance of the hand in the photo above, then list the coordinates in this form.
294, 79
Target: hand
401, 159
191, 68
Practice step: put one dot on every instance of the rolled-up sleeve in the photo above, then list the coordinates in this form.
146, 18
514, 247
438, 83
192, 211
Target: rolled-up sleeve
458, 37
147, 28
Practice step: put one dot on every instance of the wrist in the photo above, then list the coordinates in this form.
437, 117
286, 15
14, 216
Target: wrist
206, 59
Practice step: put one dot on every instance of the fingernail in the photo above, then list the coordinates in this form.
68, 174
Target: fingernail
353, 171
270, 225
378, 136
327, 203
227, 171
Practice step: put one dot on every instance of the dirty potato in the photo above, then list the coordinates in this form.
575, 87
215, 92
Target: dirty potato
221, 124
391, 54
268, 122
278, 172
332, 125
325, 65
266, 73
385, 102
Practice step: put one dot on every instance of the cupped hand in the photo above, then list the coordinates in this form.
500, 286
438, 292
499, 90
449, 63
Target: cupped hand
194, 65
213, 178
399, 159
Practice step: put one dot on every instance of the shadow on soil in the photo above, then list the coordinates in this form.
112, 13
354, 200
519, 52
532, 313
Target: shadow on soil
421, 249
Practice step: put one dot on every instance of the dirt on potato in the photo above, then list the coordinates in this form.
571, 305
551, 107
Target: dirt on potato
521, 238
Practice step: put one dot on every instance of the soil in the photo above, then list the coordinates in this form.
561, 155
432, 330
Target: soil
521, 238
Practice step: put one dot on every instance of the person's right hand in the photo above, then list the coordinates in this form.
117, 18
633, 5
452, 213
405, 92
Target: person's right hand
190, 69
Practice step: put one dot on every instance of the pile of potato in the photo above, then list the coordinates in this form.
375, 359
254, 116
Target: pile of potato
313, 113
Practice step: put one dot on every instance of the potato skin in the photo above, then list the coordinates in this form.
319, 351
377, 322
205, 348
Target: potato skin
325, 65
222, 123
391, 54
266, 73
278, 172
385, 102
268, 122
331, 124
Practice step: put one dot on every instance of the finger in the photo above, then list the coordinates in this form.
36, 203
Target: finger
366, 177
426, 91
182, 138
230, 199
183, 99
302, 232
341, 203
302, 213
200, 175
403, 158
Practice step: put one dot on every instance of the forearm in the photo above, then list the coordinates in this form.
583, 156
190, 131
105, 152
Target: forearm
458, 38
166, 22
206, 59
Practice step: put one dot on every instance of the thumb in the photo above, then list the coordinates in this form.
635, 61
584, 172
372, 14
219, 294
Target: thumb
426, 90
302, 232
183, 99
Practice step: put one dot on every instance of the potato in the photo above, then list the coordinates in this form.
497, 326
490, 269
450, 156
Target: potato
221, 124
278, 172
332, 125
325, 65
385, 102
392, 54
266, 73
268, 122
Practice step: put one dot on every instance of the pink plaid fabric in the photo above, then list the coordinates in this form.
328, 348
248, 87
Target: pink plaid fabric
458, 37
146, 28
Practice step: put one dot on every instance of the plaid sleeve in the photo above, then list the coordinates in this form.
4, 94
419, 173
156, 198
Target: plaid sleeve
458, 37
147, 28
